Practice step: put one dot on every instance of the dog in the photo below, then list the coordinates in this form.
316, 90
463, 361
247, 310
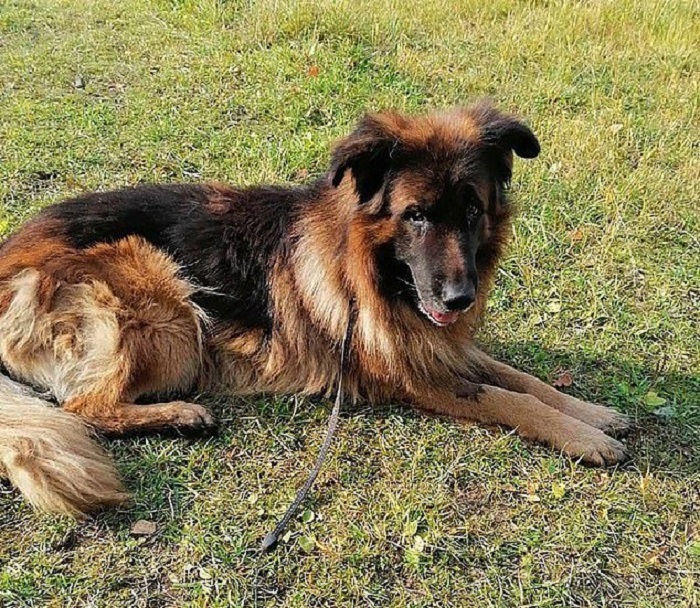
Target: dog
167, 289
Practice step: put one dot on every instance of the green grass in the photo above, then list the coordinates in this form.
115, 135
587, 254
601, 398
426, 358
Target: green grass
603, 280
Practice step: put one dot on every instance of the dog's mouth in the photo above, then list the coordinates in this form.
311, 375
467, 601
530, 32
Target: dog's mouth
437, 317
441, 319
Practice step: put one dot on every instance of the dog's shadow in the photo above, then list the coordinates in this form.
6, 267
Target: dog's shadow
665, 405
665, 440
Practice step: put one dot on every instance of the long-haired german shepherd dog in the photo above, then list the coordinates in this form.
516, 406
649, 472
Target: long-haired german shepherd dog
163, 289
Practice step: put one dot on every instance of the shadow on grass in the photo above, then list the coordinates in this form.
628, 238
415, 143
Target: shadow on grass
667, 436
664, 444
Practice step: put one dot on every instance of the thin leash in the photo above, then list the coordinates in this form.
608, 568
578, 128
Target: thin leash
271, 538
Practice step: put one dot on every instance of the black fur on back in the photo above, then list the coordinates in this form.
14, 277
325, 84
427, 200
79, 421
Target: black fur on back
224, 239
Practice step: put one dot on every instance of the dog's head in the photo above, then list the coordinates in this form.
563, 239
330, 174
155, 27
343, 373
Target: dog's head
436, 184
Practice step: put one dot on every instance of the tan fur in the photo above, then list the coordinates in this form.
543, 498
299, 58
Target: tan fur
49, 456
94, 328
117, 312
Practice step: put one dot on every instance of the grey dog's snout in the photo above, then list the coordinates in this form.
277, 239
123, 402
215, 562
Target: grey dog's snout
458, 295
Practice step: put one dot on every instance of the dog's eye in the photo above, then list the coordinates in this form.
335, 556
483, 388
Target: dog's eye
474, 212
415, 216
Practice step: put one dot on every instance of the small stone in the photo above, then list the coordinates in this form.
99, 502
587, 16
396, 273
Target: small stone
143, 527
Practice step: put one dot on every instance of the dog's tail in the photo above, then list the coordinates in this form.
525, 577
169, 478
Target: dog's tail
49, 456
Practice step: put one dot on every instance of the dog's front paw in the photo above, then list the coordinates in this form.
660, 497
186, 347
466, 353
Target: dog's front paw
607, 420
596, 448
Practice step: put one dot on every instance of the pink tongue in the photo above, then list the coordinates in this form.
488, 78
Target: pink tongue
444, 317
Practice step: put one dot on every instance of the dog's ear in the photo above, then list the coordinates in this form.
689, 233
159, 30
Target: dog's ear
504, 131
509, 133
499, 136
367, 152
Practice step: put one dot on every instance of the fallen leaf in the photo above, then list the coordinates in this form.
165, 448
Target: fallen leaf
654, 557
563, 380
308, 516
652, 399
313, 71
554, 307
143, 527
576, 235
307, 543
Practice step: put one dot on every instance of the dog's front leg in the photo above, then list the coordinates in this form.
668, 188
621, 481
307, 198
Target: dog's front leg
533, 420
604, 418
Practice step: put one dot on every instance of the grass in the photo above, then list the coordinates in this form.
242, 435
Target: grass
602, 280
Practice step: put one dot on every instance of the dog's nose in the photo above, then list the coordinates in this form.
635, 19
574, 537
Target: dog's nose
458, 295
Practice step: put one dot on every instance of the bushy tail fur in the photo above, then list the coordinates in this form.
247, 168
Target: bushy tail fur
49, 456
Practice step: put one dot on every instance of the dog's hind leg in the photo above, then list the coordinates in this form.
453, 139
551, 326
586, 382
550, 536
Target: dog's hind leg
127, 418
128, 328
499, 374
159, 352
